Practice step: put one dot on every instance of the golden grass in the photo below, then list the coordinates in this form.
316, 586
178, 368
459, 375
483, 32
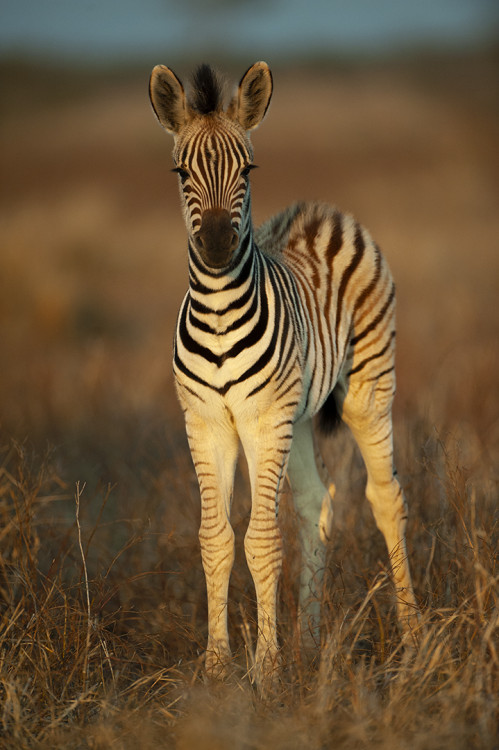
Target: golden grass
115, 658
103, 616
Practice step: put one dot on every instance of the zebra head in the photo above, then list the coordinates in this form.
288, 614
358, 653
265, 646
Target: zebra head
212, 153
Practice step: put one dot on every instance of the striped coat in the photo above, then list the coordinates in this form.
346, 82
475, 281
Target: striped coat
314, 307
293, 320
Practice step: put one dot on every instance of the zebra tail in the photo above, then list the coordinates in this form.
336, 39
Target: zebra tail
329, 417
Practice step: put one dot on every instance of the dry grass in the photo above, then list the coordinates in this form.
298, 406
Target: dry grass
103, 616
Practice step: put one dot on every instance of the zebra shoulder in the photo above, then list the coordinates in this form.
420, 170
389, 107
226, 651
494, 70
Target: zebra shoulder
273, 235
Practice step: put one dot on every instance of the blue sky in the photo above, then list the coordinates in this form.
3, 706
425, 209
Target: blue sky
102, 30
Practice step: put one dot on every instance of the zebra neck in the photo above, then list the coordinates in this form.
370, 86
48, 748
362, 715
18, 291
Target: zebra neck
219, 300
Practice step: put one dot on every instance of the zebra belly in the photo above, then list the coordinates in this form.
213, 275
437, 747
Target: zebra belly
320, 374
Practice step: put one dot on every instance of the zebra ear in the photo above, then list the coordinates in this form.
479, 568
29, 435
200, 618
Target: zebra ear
167, 98
252, 98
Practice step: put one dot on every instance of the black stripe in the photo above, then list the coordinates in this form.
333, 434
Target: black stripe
193, 392
284, 363
256, 333
377, 320
348, 273
236, 304
194, 347
251, 311
244, 273
309, 391
366, 361
334, 246
247, 316
372, 285
336, 240
189, 343
180, 366
290, 294
380, 374
251, 339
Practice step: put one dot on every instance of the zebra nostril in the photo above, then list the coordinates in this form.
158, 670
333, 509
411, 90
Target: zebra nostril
234, 240
198, 241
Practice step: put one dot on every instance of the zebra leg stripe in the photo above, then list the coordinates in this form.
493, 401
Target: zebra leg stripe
267, 450
367, 411
215, 461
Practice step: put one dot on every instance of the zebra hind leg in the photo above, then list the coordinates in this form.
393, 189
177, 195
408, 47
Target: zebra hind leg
313, 501
367, 411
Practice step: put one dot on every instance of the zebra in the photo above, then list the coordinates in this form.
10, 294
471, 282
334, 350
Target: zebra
282, 324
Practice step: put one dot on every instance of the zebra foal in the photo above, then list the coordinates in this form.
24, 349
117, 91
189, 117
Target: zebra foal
279, 324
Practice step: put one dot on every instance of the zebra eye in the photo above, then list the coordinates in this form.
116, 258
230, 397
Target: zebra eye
182, 173
246, 170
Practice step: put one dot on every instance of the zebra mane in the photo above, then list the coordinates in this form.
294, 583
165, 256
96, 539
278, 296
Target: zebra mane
207, 91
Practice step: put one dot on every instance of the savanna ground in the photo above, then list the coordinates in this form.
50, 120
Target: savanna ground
103, 607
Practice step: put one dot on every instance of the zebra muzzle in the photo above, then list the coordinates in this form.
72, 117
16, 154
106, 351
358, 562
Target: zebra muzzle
217, 239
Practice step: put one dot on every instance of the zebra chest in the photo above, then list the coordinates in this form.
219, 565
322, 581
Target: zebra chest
235, 361
212, 361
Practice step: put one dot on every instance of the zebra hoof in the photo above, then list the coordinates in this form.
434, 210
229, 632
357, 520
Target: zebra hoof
265, 674
218, 664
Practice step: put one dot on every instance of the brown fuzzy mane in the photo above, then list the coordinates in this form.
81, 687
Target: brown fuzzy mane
207, 91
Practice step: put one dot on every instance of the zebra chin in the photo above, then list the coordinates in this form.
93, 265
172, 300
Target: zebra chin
217, 240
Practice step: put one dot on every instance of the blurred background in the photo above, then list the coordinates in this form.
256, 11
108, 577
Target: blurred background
388, 109
128, 31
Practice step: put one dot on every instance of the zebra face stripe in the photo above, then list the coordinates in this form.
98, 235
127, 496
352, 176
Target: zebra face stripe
213, 165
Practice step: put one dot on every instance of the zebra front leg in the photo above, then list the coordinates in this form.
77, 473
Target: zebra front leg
214, 449
313, 502
267, 455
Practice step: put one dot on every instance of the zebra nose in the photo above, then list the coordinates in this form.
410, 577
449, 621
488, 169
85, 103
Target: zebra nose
217, 239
